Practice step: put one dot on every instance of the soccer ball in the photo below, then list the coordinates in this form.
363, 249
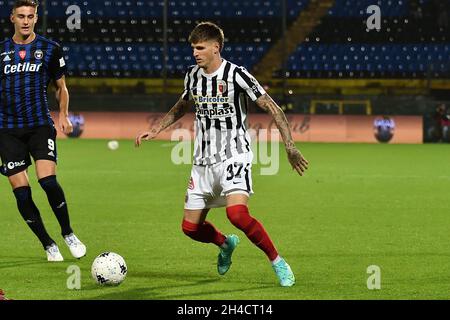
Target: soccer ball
113, 145
109, 268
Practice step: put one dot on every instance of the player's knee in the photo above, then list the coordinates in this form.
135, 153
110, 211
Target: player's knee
239, 216
190, 229
53, 190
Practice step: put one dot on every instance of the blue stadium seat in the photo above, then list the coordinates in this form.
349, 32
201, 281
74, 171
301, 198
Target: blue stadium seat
128, 58
177, 8
357, 8
372, 58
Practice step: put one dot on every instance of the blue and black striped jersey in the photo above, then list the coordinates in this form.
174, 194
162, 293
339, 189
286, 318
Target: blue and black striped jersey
26, 71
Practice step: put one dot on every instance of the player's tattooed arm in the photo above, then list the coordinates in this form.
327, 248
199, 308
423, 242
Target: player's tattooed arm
176, 113
298, 162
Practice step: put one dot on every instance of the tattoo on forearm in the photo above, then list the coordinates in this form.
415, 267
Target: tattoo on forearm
176, 113
266, 103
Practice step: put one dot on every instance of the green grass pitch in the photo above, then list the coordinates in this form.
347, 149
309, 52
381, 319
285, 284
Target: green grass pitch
358, 205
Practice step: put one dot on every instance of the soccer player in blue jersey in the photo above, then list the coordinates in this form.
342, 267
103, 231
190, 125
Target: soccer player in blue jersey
29, 62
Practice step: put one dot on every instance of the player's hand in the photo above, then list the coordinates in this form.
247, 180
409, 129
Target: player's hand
146, 135
298, 162
64, 124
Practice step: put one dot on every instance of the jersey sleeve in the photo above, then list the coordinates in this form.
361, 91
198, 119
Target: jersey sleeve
249, 84
186, 92
57, 66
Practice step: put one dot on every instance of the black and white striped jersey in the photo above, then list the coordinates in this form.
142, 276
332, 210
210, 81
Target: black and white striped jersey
221, 111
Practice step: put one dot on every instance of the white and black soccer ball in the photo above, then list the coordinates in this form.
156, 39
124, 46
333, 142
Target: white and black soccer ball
109, 268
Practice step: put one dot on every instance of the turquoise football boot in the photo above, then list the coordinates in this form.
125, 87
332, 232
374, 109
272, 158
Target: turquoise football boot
224, 257
284, 273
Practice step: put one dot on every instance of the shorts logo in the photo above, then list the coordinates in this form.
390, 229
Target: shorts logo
22, 54
38, 54
11, 165
191, 184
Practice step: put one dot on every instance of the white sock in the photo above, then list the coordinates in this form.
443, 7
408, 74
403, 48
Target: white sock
276, 260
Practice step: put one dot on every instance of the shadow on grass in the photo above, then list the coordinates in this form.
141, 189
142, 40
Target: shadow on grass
18, 261
13, 262
386, 254
199, 288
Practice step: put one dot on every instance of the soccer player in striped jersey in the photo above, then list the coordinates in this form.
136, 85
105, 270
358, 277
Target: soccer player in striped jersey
221, 174
29, 62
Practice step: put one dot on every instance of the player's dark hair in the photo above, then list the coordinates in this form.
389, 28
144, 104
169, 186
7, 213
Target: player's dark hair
206, 31
25, 3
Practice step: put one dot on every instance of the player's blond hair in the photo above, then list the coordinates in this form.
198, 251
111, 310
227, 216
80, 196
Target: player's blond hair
206, 31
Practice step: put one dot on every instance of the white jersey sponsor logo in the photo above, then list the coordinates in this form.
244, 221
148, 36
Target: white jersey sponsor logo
21, 67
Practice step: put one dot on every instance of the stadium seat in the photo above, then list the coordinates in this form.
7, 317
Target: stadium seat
118, 36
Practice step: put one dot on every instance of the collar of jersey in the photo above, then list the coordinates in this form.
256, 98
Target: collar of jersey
210, 75
23, 45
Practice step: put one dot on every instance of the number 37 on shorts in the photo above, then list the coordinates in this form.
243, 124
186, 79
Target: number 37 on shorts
209, 184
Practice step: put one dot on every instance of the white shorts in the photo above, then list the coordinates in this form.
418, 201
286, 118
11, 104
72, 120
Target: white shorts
210, 184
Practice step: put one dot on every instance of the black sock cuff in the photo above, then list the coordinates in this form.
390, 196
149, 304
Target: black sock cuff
21, 188
48, 181
22, 193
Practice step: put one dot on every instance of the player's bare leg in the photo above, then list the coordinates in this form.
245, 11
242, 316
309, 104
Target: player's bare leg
238, 214
195, 216
30, 213
19, 180
46, 173
237, 199
45, 168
